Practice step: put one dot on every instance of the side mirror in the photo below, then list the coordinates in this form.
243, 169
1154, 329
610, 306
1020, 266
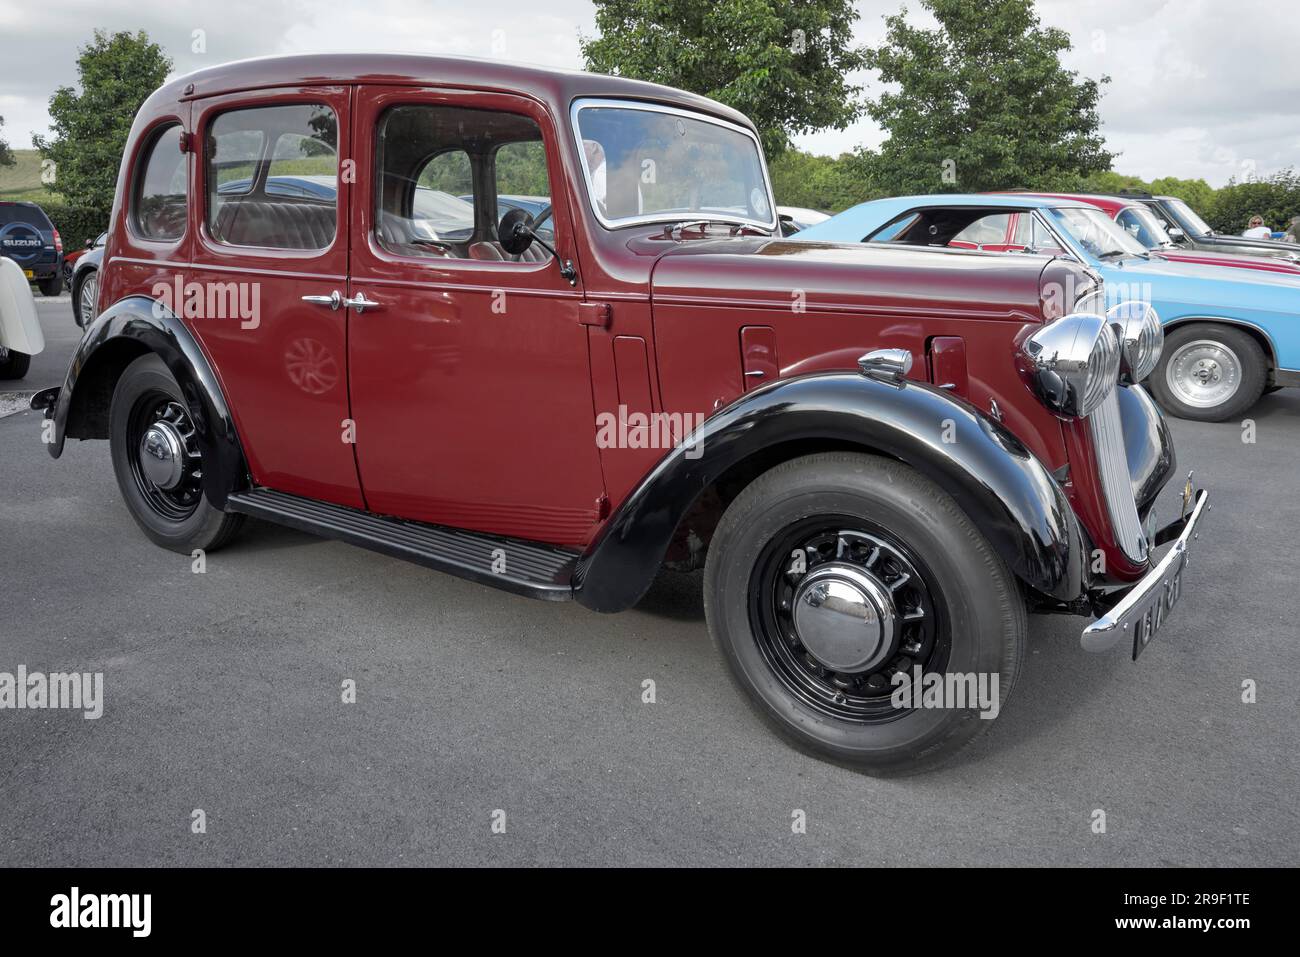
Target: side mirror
90, 243
1176, 233
516, 231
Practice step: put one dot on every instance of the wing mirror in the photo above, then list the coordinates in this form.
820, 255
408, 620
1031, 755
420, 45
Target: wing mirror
516, 235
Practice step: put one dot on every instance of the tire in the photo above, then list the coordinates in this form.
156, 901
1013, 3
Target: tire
972, 613
52, 286
1217, 355
181, 518
84, 292
14, 365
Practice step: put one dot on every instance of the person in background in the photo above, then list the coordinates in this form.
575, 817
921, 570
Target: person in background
1257, 229
1293, 233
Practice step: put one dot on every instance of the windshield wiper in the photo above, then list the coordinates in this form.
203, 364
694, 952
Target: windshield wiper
676, 229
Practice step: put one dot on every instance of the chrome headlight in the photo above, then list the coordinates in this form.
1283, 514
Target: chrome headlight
1141, 337
1073, 363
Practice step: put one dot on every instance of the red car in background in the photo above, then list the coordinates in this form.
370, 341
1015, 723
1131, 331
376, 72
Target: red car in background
1143, 225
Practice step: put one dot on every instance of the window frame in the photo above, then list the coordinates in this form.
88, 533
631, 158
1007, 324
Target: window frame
341, 196
150, 140
646, 106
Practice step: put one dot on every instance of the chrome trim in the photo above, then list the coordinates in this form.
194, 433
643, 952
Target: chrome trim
845, 618
332, 301
360, 303
1107, 429
651, 107
1066, 357
1146, 603
1141, 337
886, 365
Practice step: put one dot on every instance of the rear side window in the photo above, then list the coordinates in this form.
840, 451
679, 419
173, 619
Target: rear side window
271, 177
160, 199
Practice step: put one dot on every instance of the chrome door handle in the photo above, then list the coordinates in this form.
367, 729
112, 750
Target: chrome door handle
360, 303
333, 300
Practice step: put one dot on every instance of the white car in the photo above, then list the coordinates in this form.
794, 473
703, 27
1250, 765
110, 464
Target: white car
20, 330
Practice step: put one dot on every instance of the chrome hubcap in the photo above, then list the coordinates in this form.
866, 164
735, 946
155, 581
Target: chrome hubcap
1203, 373
89, 292
845, 618
162, 455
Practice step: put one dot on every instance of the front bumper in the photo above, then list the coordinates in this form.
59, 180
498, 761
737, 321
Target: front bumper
1143, 609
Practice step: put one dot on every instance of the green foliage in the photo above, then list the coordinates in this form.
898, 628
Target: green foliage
822, 182
1276, 198
982, 102
22, 180
75, 224
6, 154
784, 65
117, 73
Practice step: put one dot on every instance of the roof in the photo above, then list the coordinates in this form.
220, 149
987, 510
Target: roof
857, 221
1111, 204
546, 84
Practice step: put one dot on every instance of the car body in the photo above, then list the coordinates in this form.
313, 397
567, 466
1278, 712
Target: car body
20, 330
797, 218
29, 239
70, 259
1189, 230
1232, 332
878, 456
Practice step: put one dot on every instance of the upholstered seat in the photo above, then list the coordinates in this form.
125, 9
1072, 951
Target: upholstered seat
276, 225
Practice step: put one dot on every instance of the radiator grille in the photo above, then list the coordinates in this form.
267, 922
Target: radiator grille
1112, 464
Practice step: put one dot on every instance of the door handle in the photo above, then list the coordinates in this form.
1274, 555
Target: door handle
360, 303
333, 300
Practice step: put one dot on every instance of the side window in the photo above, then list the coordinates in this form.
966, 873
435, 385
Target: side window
986, 231
272, 177
448, 174
893, 231
161, 188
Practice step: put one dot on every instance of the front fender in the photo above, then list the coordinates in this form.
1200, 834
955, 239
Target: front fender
126, 330
1009, 495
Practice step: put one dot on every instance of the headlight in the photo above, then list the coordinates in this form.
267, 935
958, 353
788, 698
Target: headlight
1073, 363
1141, 337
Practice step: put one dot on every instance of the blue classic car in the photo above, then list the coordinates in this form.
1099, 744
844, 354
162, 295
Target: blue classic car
1230, 334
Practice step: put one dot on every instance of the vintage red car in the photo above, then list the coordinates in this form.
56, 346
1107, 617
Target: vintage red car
882, 458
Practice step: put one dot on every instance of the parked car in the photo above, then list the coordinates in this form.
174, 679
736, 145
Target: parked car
84, 284
1188, 229
1230, 333
796, 218
29, 239
882, 458
20, 330
1143, 225
70, 258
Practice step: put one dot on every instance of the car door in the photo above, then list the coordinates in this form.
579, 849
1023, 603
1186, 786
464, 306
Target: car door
470, 379
259, 258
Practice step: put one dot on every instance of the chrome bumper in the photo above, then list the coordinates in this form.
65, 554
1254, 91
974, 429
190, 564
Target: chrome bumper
1144, 608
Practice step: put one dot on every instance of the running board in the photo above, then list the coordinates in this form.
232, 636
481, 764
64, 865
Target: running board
511, 564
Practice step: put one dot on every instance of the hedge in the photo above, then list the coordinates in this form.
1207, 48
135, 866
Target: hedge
75, 224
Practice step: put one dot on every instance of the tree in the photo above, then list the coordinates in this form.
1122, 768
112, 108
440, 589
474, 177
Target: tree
982, 102
785, 65
1275, 197
117, 73
822, 182
6, 154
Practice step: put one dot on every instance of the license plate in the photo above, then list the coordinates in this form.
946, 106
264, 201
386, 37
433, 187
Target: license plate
1158, 610
29, 274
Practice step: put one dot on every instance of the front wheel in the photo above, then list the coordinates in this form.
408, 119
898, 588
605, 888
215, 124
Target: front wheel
158, 463
1209, 372
833, 582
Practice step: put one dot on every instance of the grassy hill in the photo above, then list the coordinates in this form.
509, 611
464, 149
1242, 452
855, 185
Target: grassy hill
23, 181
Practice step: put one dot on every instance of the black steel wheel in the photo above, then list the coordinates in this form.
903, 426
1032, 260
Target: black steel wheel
158, 461
831, 579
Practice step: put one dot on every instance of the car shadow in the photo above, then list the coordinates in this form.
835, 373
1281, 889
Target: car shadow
678, 596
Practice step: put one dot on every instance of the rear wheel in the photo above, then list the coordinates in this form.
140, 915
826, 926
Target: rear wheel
831, 579
158, 463
84, 296
1209, 372
52, 286
13, 365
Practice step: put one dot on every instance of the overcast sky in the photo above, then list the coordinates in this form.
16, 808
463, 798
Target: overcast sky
1202, 88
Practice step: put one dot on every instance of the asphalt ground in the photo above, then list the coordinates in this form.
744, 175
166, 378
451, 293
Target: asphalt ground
222, 694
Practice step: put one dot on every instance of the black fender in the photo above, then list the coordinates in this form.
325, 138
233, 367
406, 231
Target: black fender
1008, 493
126, 330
